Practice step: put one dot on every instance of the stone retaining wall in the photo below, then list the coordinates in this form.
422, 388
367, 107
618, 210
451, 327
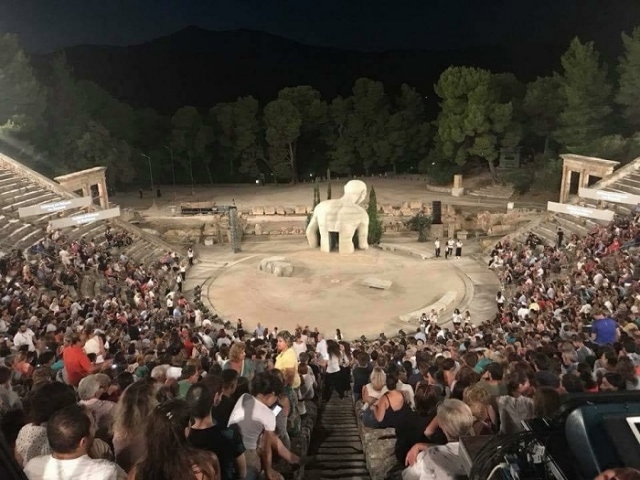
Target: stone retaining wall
379, 446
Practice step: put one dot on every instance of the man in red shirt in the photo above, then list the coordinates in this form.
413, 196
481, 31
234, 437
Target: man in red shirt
77, 363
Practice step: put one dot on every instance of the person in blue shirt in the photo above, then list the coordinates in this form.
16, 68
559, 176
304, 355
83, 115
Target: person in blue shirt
604, 330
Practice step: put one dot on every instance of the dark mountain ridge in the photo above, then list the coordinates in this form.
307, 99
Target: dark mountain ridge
201, 68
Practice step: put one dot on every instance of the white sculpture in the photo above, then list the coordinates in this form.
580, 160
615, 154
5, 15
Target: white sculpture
344, 216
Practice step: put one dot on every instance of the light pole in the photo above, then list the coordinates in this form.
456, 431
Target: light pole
193, 188
150, 169
173, 170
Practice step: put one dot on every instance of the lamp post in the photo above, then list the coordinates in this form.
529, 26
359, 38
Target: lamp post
193, 188
150, 169
173, 170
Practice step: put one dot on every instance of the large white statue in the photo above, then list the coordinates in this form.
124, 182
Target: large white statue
344, 216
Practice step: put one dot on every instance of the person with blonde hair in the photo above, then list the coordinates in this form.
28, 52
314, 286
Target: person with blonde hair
376, 387
239, 362
441, 462
479, 402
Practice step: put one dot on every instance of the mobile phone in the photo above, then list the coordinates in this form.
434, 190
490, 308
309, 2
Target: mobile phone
114, 366
276, 409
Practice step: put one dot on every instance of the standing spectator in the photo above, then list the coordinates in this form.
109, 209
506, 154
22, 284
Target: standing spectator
190, 256
437, 247
169, 455
604, 330
559, 237
70, 433
458, 249
90, 390
287, 360
130, 418
207, 434
76, 361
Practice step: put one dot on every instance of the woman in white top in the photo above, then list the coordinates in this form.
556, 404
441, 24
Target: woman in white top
500, 301
376, 387
332, 380
456, 318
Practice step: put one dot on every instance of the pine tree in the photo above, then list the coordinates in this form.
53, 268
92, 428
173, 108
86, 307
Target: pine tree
586, 92
375, 224
329, 190
628, 95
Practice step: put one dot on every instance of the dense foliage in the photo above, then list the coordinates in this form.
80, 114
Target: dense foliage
71, 124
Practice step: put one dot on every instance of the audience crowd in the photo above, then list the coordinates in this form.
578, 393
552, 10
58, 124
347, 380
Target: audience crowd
137, 382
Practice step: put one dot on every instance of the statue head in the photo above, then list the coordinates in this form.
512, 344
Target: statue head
355, 191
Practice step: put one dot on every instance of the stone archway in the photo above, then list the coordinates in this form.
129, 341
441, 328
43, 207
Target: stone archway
584, 166
84, 180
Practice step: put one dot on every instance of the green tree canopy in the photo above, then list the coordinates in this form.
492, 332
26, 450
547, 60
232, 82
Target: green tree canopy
586, 93
283, 124
628, 95
543, 104
22, 100
473, 122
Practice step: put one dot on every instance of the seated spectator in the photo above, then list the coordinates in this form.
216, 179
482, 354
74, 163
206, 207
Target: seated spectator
9, 399
206, 434
90, 391
361, 373
412, 429
515, 406
390, 410
168, 452
70, 436
442, 462
32, 438
479, 402
376, 387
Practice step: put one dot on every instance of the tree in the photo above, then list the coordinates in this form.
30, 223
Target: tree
283, 125
420, 223
543, 104
316, 199
375, 224
342, 157
473, 123
586, 93
22, 100
628, 95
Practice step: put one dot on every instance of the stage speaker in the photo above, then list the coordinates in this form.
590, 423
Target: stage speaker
436, 212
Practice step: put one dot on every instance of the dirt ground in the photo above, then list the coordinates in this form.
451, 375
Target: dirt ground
326, 289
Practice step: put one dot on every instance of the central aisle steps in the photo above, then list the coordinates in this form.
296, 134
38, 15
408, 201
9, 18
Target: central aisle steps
336, 444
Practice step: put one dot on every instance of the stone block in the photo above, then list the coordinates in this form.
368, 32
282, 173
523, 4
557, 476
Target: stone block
289, 211
280, 211
257, 230
301, 209
208, 241
270, 210
457, 192
415, 205
377, 283
405, 206
257, 210
309, 209
407, 212
278, 266
462, 235
387, 209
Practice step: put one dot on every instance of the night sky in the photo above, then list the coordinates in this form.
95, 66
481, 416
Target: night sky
48, 25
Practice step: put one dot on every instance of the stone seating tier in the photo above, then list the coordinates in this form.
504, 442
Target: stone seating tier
18, 191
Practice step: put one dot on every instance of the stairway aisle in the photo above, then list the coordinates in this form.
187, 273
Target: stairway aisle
336, 444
